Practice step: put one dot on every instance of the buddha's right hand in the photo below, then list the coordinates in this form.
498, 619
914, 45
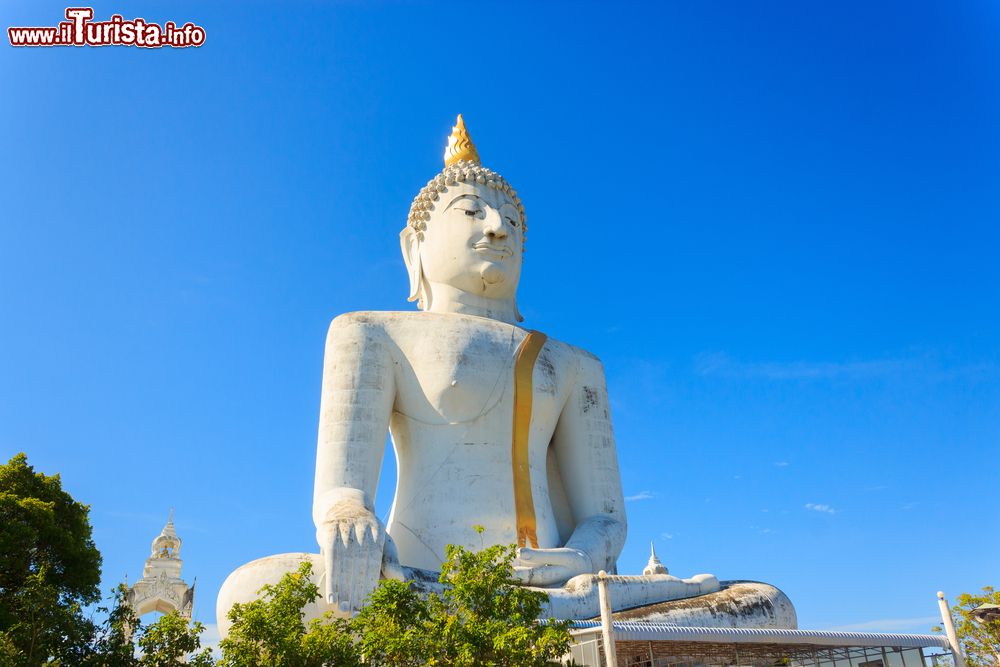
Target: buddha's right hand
352, 540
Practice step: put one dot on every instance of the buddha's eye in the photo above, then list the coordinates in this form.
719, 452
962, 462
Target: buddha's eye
471, 213
513, 222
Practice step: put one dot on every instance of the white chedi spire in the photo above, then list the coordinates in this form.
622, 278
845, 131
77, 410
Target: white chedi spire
161, 587
167, 544
169, 529
654, 566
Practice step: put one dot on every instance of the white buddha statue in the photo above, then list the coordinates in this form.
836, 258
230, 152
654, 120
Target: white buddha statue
493, 425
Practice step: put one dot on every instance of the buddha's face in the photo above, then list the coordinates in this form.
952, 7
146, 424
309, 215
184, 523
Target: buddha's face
473, 241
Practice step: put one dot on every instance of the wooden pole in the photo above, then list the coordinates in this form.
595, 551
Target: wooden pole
607, 630
949, 629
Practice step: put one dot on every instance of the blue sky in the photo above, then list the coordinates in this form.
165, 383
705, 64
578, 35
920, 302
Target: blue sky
776, 223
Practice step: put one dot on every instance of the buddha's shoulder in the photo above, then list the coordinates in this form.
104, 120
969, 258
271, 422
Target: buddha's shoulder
578, 354
394, 323
361, 318
403, 322
366, 323
416, 322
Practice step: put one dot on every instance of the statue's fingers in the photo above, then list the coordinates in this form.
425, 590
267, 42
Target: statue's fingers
526, 555
356, 561
569, 558
363, 532
372, 555
374, 570
341, 566
362, 577
548, 575
359, 558
574, 559
329, 572
542, 556
555, 574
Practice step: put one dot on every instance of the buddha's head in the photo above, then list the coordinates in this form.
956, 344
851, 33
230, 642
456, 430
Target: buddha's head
465, 231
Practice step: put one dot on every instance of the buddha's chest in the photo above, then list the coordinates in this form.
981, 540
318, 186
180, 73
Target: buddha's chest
455, 374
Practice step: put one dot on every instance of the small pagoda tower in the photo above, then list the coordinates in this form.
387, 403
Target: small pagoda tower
161, 587
654, 566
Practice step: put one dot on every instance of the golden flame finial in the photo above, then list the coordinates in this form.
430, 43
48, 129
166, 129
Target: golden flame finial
460, 146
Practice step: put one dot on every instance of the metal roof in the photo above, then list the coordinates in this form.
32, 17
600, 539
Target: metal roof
637, 631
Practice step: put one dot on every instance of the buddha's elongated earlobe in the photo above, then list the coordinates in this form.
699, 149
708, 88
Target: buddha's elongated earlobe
409, 242
517, 313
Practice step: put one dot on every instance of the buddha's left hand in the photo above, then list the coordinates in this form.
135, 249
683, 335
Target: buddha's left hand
548, 567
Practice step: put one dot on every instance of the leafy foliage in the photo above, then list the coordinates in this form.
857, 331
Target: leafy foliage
392, 629
980, 639
481, 616
50, 568
113, 646
171, 640
271, 631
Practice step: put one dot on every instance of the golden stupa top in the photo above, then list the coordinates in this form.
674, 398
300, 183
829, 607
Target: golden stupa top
460, 146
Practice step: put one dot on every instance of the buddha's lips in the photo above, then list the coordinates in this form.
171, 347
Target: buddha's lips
500, 250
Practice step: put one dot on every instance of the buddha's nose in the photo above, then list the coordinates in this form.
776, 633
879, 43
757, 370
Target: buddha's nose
493, 227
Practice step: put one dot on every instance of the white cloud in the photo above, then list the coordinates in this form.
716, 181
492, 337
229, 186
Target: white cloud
928, 364
642, 495
210, 638
781, 464
667, 536
721, 364
920, 624
820, 507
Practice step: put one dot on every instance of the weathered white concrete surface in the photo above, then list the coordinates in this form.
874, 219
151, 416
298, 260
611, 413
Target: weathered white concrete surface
443, 385
737, 604
578, 599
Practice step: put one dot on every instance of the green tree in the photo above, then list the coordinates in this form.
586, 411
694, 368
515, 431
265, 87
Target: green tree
113, 645
170, 640
484, 617
980, 638
480, 616
50, 568
271, 630
394, 627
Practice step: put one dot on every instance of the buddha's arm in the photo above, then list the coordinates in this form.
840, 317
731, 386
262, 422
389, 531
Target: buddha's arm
358, 390
588, 461
584, 445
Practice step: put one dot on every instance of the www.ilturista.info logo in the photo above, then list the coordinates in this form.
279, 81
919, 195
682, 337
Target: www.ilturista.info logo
80, 30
